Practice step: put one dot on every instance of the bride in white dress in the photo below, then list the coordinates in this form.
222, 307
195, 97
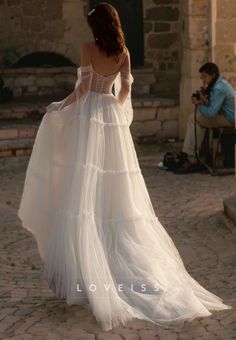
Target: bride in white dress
87, 205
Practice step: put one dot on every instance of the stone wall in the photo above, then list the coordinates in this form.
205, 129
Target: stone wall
162, 34
28, 26
224, 30
195, 52
60, 26
176, 32
155, 120
208, 34
40, 81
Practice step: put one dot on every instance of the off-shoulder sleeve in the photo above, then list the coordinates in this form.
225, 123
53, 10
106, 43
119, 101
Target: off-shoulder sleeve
125, 80
85, 72
123, 85
81, 89
84, 80
82, 86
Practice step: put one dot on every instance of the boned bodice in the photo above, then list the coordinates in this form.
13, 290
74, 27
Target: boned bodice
102, 83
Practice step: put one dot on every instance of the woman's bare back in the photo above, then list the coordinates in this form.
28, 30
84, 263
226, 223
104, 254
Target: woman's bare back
102, 64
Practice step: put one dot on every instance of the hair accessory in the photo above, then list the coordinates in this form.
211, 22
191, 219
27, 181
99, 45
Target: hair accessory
92, 10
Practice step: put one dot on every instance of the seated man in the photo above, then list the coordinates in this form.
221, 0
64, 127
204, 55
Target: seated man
215, 108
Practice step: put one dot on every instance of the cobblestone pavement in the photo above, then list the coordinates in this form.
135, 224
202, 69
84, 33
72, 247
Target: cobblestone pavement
190, 208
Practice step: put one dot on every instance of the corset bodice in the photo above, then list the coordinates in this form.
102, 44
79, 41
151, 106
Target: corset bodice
102, 83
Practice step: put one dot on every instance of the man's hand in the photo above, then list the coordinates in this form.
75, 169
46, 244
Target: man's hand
204, 100
195, 101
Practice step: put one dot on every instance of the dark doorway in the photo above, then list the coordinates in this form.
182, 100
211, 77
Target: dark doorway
131, 15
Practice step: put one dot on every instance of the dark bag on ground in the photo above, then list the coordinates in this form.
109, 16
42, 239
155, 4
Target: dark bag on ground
174, 160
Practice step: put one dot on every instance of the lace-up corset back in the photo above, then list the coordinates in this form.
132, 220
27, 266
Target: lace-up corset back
102, 83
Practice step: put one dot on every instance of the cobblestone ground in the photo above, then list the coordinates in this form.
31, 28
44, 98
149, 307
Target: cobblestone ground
189, 206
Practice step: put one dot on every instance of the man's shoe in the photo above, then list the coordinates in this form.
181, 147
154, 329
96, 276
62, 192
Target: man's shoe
188, 168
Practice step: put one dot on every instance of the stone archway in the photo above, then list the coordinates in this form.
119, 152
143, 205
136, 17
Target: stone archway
43, 59
64, 51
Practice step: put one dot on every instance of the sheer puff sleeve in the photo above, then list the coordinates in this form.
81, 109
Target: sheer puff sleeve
82, 86
123, 84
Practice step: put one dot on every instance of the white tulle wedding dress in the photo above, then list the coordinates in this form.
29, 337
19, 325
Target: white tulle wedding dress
87, 205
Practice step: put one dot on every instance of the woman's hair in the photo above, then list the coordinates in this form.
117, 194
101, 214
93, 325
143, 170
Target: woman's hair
105, 24
211, 69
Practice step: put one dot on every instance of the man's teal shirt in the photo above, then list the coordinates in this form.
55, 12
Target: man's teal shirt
222, 97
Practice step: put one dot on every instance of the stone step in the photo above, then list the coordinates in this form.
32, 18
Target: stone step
15, 128
30, 81
17, 136
16, 147
33, 107
230, 210
154, 119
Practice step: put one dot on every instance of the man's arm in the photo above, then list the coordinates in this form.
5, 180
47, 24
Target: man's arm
212, 109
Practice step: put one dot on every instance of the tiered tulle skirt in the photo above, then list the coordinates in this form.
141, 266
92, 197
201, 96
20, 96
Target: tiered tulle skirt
86, 203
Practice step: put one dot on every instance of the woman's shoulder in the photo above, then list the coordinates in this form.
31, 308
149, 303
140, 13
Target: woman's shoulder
86, 47
126, 51
125, 55
85, 54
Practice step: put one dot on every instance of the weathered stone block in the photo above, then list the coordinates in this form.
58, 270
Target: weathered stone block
45, 91
195, 34
139, 89
196, 7
162, 40
226, 9
142, 114
9, 81
162, 27
45, 82
23, 152
231, 79
29, 9
144, 77
167, 85
165, 2
168, 113
37, 24
163, 13
162, 66
170, 129
13, 2
225, 57
225, 31
193, 60
5, 153
147, 27
32, 88
17, 92
147, 128
8, 133
28, 132
54, 9
24, 81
